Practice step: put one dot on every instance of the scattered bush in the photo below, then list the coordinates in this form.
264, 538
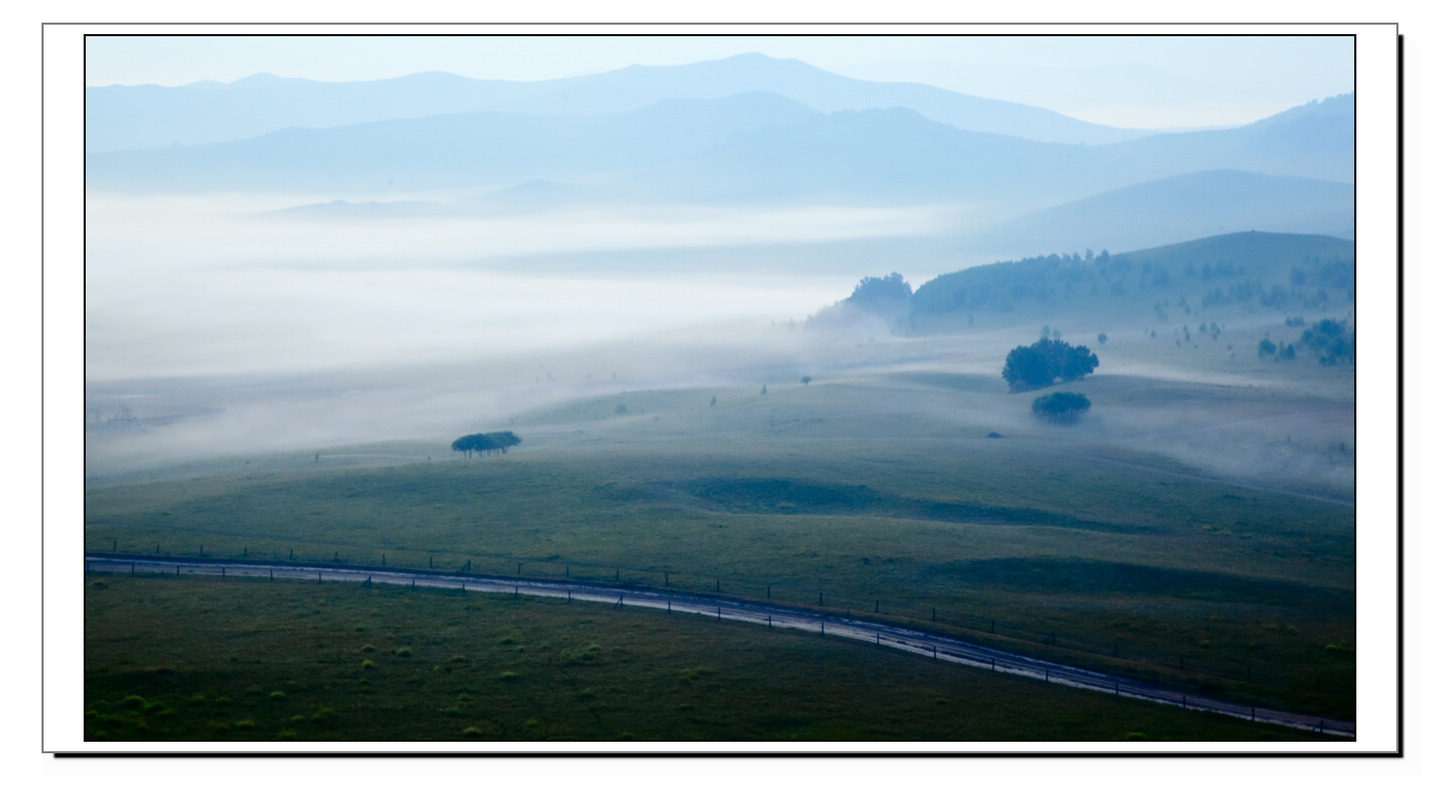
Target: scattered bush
277, 694
403, 652
367, 664
367, 648
1061, 406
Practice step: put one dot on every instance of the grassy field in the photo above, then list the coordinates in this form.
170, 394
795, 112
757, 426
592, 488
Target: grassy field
1099, 544
203, 659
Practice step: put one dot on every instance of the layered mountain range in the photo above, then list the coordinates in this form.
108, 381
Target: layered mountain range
743, 130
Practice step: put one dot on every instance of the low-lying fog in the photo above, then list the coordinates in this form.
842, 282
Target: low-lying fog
214, 329
213, 285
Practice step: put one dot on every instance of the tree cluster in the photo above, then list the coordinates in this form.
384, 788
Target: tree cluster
1047, 360
877, 293
1061, 406
485, 442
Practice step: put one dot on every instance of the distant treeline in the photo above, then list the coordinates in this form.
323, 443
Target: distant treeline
1265, 269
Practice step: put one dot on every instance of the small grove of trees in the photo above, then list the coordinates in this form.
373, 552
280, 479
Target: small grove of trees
1047, 360
1061, 406
485, 442
1329, 340
881, 293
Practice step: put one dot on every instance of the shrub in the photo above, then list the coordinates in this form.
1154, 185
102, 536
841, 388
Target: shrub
403, 652
367, 648
133, 701
1061, 406
277, 694
367, 664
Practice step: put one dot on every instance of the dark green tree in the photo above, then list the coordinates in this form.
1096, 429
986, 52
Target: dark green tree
1062, 406
1047, 360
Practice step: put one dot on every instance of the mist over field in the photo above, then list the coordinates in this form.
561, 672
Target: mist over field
744, 328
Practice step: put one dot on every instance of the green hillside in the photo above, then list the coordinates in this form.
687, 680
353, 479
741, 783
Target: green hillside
1235, 274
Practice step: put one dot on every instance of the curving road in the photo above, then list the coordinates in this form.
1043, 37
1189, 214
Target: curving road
925, 644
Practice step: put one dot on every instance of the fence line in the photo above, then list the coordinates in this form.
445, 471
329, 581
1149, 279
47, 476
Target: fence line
916, 641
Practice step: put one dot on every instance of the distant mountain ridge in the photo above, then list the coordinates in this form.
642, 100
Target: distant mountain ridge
144, 117
748, 147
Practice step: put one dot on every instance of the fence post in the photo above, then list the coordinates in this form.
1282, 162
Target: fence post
292, 553
319, 577
177, 570
822, 628
222, 572
1183, 703
1047, 675
1117, 687
272, 572
768, 622
132, 568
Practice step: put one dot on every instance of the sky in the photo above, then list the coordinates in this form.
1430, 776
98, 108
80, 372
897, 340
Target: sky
1138, 81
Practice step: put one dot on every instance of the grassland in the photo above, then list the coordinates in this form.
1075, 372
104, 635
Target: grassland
1102, 544
181, 659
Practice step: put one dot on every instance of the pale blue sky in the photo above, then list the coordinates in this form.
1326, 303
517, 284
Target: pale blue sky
1125, 81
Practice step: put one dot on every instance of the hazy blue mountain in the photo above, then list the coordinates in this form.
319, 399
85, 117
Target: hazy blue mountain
745, 148
449, 150
1316, 140
1178, 209
149, 116
635, 86
897, 155
145, 117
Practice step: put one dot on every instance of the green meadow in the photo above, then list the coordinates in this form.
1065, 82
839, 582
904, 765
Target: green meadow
201, 659
882, 494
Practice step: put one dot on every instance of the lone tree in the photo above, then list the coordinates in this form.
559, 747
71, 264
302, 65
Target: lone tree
485, 442
1047, 360
1061, 406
